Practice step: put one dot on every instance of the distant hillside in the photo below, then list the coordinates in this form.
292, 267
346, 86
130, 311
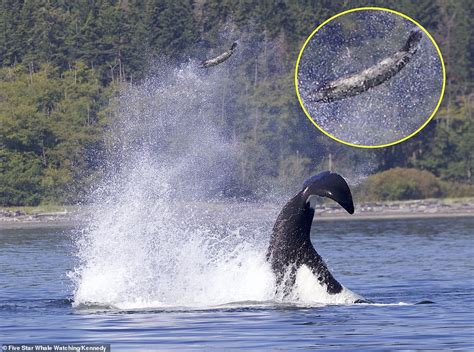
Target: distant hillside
62, 61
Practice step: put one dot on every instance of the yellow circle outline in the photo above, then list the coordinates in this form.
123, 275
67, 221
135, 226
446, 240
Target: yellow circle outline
379, 145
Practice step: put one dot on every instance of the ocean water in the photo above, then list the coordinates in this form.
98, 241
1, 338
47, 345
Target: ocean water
45, 296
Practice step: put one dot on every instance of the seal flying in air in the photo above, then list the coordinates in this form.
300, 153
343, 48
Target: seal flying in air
371, 77
219, 59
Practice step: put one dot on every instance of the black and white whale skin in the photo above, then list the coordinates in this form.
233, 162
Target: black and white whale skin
371, 77
219, 59
290, 245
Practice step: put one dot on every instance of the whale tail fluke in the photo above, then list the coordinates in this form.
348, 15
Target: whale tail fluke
330, 185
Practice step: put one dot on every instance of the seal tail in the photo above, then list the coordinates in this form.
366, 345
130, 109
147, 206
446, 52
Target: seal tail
413, 40
330, 185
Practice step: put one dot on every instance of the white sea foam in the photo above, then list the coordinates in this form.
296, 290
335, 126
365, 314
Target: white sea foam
308, 290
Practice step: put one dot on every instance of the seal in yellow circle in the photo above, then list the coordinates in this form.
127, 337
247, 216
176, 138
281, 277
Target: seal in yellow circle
370, 77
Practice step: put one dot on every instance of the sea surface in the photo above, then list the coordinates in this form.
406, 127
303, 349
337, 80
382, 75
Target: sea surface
395, 263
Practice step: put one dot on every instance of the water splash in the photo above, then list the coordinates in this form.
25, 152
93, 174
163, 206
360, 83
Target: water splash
160, 235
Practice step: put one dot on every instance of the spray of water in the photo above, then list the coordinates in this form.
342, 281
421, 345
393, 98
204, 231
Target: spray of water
160, 235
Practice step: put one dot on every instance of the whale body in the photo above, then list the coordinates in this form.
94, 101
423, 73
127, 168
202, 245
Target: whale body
371, 77
219, 59
290, 245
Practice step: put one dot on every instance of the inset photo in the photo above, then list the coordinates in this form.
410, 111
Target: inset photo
370, 77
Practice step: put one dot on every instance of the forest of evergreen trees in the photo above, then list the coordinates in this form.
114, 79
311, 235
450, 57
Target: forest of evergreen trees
61, 62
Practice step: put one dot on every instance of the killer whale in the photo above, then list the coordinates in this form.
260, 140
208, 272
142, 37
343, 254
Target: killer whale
219, 59
290, 245
371, 77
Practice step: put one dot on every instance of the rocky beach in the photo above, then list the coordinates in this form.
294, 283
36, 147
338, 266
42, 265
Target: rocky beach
75, 216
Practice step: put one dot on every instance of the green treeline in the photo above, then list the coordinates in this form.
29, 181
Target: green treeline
61, 61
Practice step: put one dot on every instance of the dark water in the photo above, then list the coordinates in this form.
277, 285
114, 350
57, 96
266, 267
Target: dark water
387, 261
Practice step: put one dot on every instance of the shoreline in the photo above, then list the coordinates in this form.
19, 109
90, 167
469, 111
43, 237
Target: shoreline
388, 216
413, 209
